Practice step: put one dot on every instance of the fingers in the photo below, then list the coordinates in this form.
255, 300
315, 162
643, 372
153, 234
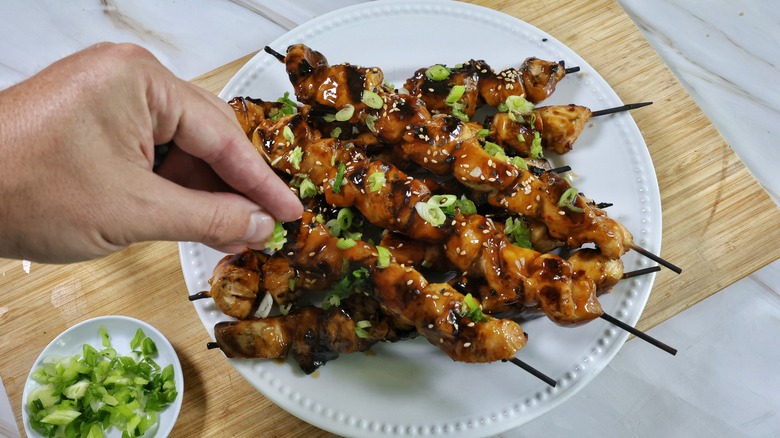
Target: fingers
207, 129
225, 221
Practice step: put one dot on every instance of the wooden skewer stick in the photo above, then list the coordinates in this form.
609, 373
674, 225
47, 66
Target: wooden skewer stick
639, 334
275, 54
603, 205
655, 258
574, 69
562, 169
618, 109
213, 345
538, 374
639, 272
200, 295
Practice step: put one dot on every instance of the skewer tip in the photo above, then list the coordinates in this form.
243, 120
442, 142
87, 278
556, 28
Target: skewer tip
200, 295
655, 258
639, 334
571, 70
213, 345
536, 373
618, 109
274, 53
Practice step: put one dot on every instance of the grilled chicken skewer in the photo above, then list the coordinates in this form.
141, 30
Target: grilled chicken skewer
437, 311
445, 145
311, 335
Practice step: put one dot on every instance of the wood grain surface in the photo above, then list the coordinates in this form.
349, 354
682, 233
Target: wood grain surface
715, 215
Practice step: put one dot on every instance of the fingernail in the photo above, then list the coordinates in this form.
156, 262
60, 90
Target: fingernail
261, 225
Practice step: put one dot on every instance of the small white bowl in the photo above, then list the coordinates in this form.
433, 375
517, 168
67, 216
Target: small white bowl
121, 330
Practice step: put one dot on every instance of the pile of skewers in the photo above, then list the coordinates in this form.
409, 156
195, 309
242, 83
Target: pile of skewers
401, 186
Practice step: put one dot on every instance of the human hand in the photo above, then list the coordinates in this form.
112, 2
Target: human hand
78, 142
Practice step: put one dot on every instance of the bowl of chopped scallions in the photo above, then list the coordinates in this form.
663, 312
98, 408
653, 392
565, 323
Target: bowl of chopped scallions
110, 376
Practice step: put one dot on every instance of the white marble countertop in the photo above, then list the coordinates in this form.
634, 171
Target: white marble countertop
724, 382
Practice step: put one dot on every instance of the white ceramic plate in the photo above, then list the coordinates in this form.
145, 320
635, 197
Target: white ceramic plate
121, 330
411, 388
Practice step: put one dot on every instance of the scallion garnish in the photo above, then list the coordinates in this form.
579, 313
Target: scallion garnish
456, 92
345, 113
519, 162
307, 189
360, 328
371, 122
335, 133
431, 214
339, 178
278, 238
437, 72
372, 100
518, 232
345, 243
383, 259
376, 181
471, 309
495, 150
536, 146
442, 201
288, 134
518, 105
295, 157
568, 198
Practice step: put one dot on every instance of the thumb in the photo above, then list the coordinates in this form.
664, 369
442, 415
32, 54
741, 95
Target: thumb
227, 222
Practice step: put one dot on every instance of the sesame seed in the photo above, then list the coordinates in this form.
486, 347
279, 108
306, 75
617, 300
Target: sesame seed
409, 282
467, 345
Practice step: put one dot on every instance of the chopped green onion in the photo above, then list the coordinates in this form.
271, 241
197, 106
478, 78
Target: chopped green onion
518, 105
455, 94
278, 238
472, 310
90, 394
371, 122
383, 260
360, 328
437, 72
495, 150
291, 284
460, 114
284, 309
442, 201
345, 243
319, 218
339, 178
351, 281
536, 146
329, 118
288, 105
104, 339
345, 113
148, 347
376, 181
344, 218
335, 133
295, 157
483, 132
333, 227
372, 100
568, 198
518, 232
465, 205
431, 214
288, 134
307, 189
519, 162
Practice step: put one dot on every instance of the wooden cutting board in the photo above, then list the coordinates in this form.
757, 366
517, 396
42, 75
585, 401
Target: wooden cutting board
714, 213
